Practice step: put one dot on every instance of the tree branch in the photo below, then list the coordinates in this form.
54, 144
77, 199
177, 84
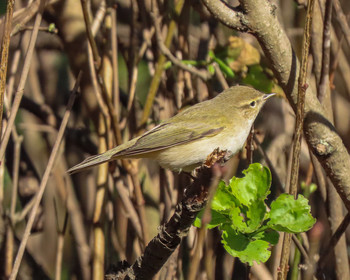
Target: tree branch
170, 235
325, 143
227, 15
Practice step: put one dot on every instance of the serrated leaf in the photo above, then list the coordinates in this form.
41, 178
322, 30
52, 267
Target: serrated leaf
253, 186
223, 200
247, 250
290, 215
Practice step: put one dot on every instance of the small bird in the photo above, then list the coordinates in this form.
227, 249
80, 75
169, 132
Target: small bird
184, 141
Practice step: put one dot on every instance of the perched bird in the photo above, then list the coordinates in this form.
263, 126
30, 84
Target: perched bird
184, 141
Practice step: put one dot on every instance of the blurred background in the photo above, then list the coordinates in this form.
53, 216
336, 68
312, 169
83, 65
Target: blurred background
149, 60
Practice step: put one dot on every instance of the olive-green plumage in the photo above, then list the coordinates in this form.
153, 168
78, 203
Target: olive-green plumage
184, 141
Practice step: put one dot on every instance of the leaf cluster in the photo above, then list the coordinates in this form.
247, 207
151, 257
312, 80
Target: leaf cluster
249, 228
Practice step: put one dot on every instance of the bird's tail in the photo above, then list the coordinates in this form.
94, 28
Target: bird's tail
91, 161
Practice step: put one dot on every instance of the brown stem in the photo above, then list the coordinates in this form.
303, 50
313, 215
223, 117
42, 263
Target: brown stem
302, 85
170, 235
341, 18
333, 242
159, 68
44, 181
22, 82
326, 47
4, 53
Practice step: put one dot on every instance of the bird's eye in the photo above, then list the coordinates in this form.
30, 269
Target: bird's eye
252, 104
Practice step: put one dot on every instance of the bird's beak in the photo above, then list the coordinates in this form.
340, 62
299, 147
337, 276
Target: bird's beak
267, 96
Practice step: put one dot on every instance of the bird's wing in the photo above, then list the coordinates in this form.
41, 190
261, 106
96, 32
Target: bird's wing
167, 135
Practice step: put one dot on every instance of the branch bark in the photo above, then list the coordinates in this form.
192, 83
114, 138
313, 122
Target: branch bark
170, 235
258, 17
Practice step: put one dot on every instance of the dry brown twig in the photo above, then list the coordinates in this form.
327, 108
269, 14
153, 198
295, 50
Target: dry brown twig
326, 47
169, 236
60, 244
4, 52
341, 18
44, 181
22, 81
160, 63
302, 86
203, 75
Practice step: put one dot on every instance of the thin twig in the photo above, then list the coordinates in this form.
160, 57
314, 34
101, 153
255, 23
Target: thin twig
22, 16
101, 182
147, 37
4, 55
302, 86
160, 65
204, 76
335, 63
205, 220
274, 173
43, 29
326, 47
169, 236
220, 76
129, 208
16, 156
45, 179
333, 242
250, 146
9, 248
60, 245
13, 71
300, 248
97, 62
114, 47
341, 18
90, 36
22, 81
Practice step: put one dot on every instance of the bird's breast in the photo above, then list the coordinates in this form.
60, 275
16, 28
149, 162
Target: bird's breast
191, 155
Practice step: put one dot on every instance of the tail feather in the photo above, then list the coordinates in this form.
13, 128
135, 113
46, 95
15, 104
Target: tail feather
91, 161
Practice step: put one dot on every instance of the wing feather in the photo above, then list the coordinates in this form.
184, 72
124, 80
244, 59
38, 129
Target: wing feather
168, 135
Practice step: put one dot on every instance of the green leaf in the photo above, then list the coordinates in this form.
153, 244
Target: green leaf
246, 249
167, 65
254, 186
290, 215
238, 219
248, 219
268, 235
223, 199
258, 79
256, 214
52, 27
211, 69
196, 63
223, 66
216, 219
